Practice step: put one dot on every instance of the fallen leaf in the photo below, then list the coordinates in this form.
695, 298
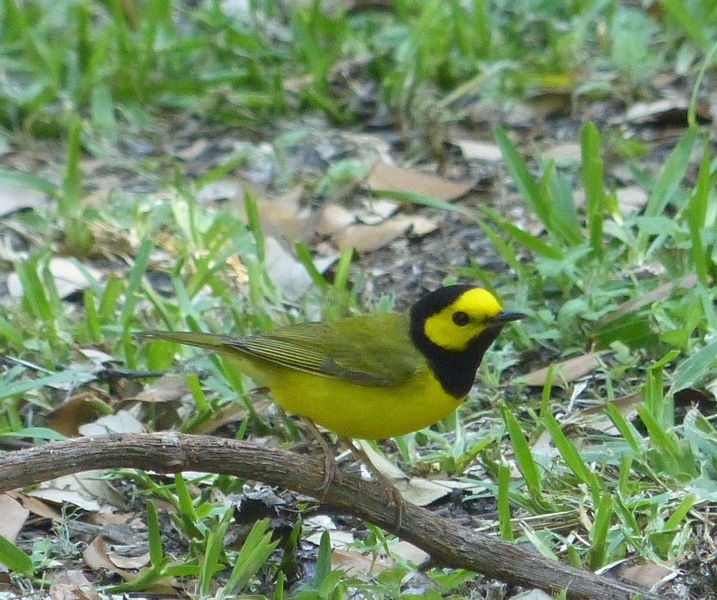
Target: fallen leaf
98, 357
35, 506
334, 218
596, 418
81, 489
476, 150
59, 496
128, 562
167, 388
284, 215
95, 555
120, 422
357, 564
230, 413
319, 523
661, 292
96, 558
365, 238
648, 575
416, 490
72, 585
78, 410
564, 372
288, 274
124, 519
385, 177
408, 551
338, 537
422, 492
14, 515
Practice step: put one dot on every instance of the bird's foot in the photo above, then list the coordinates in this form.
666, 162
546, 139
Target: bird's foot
387, 486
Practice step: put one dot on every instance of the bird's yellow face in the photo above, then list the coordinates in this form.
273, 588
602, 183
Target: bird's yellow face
453, 327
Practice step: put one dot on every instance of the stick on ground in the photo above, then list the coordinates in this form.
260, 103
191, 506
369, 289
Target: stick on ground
449, 544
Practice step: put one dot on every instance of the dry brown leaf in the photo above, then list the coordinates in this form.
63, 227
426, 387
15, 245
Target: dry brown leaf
564, 372
14, 515
81, 489
231, 413
356, 564
60, 496
167, 388
35, 506
96, 558
648, 575
121, 422
98, 358
78, 410
72, 585
287, 273
285, 216
397, 179
408, 551
121, 561
334, 218
596, 418
477, 150
416, 490
365, 238
124, 519
661, 292
95, 555
338, 538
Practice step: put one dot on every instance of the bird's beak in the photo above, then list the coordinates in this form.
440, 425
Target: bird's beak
506, 316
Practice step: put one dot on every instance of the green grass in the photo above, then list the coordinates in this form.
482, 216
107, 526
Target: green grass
85, 76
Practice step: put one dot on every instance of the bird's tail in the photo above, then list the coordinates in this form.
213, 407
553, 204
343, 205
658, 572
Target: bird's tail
201, 340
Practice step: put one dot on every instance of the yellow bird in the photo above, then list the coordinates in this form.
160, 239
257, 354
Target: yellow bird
370, 376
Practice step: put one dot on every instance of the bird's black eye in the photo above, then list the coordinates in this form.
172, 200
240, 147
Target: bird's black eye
460, 318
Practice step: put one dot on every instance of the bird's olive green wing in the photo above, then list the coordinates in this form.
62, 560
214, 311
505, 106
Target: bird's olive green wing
367, 350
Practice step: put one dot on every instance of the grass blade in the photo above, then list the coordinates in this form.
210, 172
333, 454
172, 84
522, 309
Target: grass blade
592, 175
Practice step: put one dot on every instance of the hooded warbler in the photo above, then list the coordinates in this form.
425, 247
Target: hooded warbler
370, 376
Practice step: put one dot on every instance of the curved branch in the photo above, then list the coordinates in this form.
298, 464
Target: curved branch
448, 544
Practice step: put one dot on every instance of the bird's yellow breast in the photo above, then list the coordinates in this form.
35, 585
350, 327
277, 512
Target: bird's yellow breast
351, 410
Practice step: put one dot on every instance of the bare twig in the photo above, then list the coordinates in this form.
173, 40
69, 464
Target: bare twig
448, 544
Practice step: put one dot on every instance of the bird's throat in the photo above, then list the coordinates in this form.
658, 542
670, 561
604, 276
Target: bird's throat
455, 370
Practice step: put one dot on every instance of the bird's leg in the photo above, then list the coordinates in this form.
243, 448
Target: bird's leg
386, 484
331, 469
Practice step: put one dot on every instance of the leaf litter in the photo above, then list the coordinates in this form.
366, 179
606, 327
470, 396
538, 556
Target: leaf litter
408, 253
